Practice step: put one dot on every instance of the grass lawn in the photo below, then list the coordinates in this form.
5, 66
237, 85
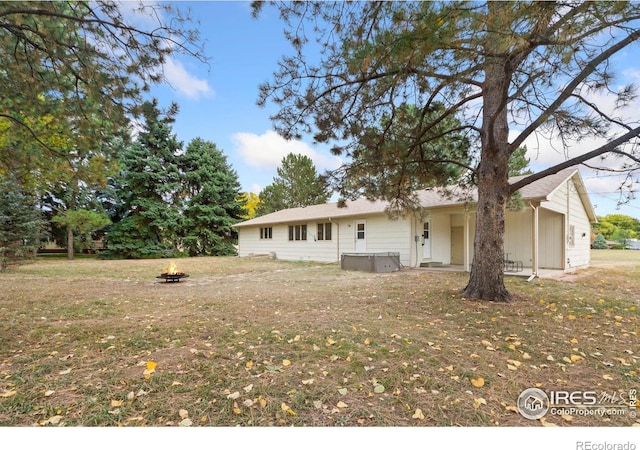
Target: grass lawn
256, 342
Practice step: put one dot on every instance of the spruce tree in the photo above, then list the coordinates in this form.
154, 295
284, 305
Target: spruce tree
20, 224
213, 202
148, 187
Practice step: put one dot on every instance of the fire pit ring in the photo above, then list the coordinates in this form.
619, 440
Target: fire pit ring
172, 274
172, 277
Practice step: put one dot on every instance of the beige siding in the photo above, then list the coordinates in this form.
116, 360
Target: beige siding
551, 249
382, 235
518, 237
249, 243
566, 200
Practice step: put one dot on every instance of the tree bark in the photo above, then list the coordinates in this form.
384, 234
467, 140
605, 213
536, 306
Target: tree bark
69, 242
486, 281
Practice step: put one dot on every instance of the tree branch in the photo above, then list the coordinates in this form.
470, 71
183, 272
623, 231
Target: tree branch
610, 147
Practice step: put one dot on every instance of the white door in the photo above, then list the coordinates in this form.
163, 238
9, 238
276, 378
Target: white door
426, 241
360, 236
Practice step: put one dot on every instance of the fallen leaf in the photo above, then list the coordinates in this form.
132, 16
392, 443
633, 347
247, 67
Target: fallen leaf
116, 403
418, 414
248, 388
341, 404
65, 372
7, 394
183, 413
53, 420
186, 422
479, 401
309, 381
343, 391
286, 362
607, 377
378, 389
477, 382
49, 393
575, 358
234, 396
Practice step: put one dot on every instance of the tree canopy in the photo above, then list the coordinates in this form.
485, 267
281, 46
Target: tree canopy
297, 184
502, 71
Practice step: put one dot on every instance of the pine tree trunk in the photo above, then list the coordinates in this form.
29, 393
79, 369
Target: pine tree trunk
486, 281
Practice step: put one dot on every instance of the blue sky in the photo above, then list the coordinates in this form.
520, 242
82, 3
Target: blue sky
218, 103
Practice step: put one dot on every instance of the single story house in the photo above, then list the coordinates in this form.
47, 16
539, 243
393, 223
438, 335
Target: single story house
552, 232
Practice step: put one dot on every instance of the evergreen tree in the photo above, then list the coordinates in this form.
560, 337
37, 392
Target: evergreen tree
213, 202
599, 242
297, 184
20, 224
148, 187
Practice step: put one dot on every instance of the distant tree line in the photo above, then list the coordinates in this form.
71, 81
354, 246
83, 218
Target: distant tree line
615, 228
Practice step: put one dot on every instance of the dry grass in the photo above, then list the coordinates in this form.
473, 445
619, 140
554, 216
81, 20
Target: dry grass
269, 343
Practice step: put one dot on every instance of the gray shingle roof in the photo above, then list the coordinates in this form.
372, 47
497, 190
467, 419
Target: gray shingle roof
430, 198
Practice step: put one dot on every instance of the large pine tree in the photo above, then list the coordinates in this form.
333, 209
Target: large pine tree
149, 187
213, 204
297, 184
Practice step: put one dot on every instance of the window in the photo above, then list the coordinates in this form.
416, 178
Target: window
297, 232
360, 231
266, 233
324, 232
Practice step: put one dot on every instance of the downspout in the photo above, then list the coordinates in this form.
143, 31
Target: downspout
337, 240
466, 243
534, 256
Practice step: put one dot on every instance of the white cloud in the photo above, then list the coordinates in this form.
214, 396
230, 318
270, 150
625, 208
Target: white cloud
184, 82
267, 150
256, 188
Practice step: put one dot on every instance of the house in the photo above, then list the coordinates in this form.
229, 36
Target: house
551, 232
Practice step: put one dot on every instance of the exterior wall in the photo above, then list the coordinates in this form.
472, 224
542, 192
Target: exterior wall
577, 228
382, 235
249, 243
518, 236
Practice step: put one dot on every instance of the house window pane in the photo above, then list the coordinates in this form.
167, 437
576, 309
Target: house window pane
327, 231
303, 232
291, 232
320, 233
